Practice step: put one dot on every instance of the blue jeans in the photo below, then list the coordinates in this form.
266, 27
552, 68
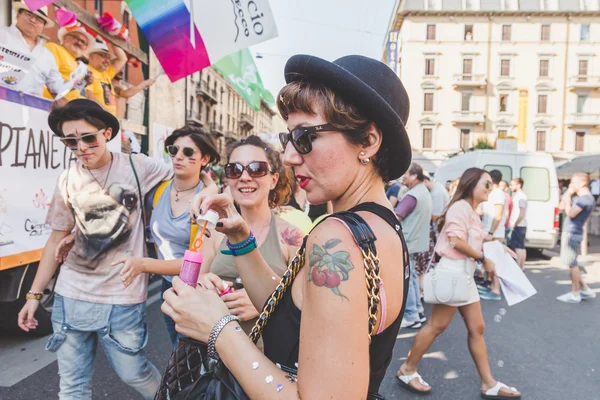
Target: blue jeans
173, 335
121, 330
413, 301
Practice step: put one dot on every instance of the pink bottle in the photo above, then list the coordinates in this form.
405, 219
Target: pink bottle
190, 269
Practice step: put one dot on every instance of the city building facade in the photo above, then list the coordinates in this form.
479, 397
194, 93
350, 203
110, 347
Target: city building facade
478, 70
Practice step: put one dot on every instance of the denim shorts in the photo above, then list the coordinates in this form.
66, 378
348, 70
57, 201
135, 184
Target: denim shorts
517, 237
570, 244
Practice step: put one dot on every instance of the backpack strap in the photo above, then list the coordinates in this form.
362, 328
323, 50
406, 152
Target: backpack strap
139, 187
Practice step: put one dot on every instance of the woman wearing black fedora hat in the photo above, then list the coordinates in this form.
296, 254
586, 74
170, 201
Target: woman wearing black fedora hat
331, 333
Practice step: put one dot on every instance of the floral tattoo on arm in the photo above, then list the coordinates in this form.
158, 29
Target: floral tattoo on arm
329, 269
291, 237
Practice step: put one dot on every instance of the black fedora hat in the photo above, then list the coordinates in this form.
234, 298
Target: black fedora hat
90, 108
373, 87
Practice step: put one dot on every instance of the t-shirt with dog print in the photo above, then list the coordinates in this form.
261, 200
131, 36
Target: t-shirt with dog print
104, 206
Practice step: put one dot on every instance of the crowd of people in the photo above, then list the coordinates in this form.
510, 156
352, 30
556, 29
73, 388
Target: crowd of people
295, 232
53, 63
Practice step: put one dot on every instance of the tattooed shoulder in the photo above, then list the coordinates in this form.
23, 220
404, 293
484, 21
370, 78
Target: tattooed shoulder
329, 268
291, 236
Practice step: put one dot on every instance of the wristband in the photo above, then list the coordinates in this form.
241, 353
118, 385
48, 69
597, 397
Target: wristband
34, 295
212, 338
481, 259
239, 249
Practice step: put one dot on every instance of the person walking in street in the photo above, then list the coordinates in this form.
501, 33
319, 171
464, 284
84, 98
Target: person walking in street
460, 245
518, 221
578, 205
495, 212
439, 198
414, 213
393, 192
101, 195
509, 207
346, 138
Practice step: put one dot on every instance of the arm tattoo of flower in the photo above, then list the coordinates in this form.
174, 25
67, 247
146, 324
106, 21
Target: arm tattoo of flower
327, 269
291, 237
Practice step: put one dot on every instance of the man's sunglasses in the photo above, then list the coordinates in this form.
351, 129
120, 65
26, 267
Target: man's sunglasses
173, 150
79, 39
87, 138
255, 169
302, 137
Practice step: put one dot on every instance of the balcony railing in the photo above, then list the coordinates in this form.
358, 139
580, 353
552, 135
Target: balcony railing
468, 117
209, 94
216, 128
247, 120
583, 119
584, 82
469, 80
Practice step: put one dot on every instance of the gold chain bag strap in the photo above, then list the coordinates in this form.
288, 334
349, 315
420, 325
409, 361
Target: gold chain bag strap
365, 238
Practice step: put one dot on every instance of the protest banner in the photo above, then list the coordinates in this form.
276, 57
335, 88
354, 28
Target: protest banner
189, 35
14, 65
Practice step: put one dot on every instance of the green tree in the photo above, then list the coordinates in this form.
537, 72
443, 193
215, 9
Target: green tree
484, 143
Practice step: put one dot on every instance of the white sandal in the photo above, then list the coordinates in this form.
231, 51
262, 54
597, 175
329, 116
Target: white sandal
406, 379
493, 393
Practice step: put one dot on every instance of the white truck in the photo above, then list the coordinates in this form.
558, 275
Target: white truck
541, 186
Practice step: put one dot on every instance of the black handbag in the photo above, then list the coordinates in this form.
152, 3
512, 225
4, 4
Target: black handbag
191, 375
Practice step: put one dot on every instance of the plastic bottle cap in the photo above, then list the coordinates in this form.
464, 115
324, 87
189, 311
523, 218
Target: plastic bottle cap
211, 216
193, 256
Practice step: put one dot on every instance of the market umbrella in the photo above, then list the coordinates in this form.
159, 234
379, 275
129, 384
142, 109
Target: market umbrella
589, 164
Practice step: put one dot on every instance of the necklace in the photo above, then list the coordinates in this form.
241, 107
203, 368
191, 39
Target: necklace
262, 229
183, 191
105, 179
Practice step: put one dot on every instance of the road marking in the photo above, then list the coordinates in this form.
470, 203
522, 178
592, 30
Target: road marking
21, 358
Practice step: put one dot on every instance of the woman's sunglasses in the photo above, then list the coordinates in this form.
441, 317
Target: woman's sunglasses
302, 137
173, 150
489, 185
255, 169
87, 138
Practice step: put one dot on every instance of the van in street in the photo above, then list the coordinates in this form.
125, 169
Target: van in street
540, 185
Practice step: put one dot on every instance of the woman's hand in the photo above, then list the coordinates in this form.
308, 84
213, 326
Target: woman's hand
195, 311
488, 238
212, 282
239, 304
132, 268
230, 222
510, 252
489, 267
64, 247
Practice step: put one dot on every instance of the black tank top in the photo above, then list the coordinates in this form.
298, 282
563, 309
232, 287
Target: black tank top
282, 333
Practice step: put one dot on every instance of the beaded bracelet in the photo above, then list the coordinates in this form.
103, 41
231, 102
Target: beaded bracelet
239, 249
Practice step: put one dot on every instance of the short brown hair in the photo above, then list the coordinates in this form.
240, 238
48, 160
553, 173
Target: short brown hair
315, 98
584, 177
279, 195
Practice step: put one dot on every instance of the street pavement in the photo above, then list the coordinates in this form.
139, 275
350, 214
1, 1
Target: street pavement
547, 349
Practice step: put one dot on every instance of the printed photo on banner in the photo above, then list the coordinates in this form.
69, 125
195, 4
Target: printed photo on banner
160, 133
14, 65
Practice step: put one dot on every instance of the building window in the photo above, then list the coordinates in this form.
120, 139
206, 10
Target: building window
544, 68
540, 141
504, 67
583, 70
584, 34
545, 35
431, 32
579, 141
506, 32
502, 133
98, 6
191, 109
465, 136
207, 114
468, 33
427, 138
467, 69
503, 103
428, 102
581, 103
126, 19
510, 4
466, 101
430, 67
542, 104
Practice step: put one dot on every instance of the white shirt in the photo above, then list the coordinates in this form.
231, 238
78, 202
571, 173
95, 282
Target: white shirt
439, 199
519, 201
44, 71
497, 196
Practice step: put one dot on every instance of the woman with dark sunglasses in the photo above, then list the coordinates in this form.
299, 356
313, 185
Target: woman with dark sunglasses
259, 185
347, 136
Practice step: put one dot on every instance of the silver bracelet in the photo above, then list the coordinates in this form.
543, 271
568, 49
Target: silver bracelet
212, 338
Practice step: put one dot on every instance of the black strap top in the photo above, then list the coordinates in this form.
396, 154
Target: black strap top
282, 333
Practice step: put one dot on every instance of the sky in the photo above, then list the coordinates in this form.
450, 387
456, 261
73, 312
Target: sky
328, 29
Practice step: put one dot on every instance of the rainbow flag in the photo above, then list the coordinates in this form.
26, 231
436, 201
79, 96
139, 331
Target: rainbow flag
189, 35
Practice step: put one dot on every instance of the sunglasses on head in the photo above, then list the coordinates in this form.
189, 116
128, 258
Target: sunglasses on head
255, 169
87, 138
173, 150
302, 137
